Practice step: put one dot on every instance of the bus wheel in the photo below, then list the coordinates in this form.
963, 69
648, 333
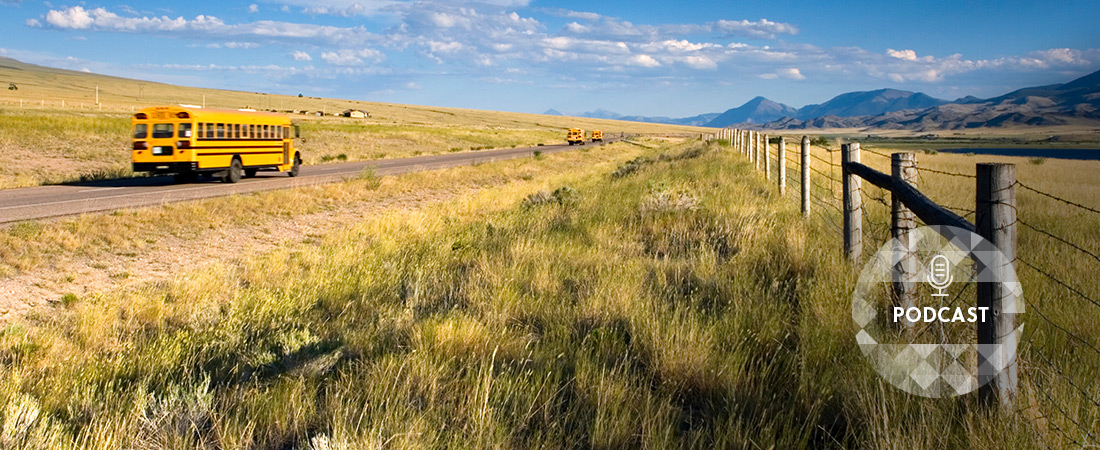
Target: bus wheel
297, 165
249, 173
233, 174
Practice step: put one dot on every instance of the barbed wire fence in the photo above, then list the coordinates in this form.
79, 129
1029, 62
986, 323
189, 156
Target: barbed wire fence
1060, 361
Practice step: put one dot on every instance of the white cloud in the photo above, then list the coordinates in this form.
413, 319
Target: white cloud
700, 62
762, 28
644, 61
790, 73
346, 57
444, 47
302, 56
908, 55
253, 8
574, 27
76, 17
100, 19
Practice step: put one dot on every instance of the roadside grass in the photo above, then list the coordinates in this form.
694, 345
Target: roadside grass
29, 245
62, 146
682, 303
327, 140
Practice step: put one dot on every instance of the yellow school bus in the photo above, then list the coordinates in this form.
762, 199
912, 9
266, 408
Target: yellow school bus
597, 136
575, 136
188, 141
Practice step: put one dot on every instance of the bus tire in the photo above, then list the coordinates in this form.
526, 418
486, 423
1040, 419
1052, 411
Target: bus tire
233, 174
296, 167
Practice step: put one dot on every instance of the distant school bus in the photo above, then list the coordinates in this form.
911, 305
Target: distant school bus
188, 141
597, 136
575, 136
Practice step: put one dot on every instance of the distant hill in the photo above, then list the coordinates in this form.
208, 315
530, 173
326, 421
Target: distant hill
553, 112
695, 121
1056, 104
757, 110
868, 103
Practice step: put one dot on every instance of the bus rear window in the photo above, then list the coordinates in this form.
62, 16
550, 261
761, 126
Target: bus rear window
185, 130
162, 130
141, 130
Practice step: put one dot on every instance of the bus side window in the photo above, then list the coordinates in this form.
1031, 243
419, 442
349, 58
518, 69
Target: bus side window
209, 130
185, 130
221, 131
244, 131
265, 132
236, 131
278, 132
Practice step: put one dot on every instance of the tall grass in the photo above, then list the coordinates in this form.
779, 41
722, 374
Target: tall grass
680, 303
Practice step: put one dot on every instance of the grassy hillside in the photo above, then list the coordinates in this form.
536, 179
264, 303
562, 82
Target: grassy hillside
661, 297
48, 142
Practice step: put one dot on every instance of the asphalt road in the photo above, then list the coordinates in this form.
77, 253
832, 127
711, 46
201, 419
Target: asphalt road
78, 198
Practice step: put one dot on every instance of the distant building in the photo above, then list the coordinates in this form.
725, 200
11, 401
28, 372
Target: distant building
355, 114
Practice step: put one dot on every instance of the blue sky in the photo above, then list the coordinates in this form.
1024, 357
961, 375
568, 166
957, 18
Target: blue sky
629, 56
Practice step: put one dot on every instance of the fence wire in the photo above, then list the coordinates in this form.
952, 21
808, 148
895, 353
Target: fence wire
1060, 199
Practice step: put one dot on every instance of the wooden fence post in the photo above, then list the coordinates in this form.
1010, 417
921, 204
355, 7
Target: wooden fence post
853, 204
805, 175
752, 147
767, 159
995, 220
903, 167
759, 150
780, 158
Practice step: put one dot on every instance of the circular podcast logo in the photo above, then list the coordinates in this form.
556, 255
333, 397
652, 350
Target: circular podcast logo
917, 313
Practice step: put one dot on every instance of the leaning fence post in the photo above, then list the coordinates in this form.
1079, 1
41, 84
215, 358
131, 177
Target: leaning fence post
780, 158
805, 161
853, 204
903, 168
995, 220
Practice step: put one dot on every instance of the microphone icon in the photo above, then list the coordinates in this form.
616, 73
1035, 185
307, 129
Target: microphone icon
939, 274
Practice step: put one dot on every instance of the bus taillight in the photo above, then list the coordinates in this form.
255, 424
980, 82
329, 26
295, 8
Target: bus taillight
183, 144
140, 145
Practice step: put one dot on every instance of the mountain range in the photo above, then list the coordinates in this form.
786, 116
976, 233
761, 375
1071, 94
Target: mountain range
1054, 104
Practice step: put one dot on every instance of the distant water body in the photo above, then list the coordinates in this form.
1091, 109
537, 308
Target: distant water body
1092, 154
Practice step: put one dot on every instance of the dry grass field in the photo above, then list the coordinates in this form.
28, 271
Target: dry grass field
624, 296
